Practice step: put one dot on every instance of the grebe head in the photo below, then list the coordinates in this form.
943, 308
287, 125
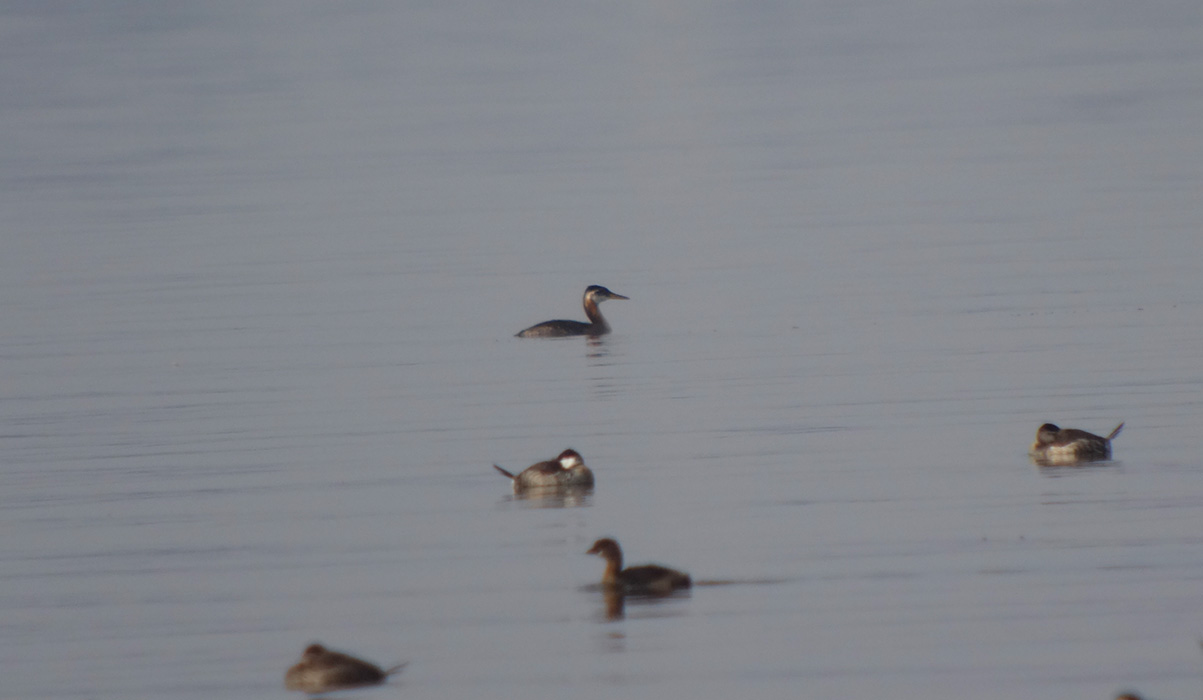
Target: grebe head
1046, 434
313, 651
598, 293
569, 459
606, 548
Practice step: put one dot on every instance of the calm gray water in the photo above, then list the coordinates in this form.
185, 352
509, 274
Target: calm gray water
261, 267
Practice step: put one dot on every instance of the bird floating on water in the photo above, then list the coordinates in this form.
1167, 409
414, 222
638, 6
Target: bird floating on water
647, 579
1056, 446
594, 295
566, 471
321, 670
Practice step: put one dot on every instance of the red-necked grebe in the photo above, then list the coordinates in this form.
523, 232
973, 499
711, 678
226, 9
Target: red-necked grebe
1066, 446
565, 471
648, 579
597, 325
321, 671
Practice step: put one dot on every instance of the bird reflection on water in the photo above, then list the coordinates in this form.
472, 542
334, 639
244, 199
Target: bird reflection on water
553, 497
615, 603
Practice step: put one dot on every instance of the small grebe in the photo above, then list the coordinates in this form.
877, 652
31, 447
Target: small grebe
321, 671
597, 325
649, 579
1061, 447
566, 471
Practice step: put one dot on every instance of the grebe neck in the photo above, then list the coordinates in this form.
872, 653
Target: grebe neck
613, 568
593, 313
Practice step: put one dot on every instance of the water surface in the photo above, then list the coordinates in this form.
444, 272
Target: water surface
262, 266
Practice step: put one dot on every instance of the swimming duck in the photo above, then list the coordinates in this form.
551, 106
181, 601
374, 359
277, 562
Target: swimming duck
1056, 446
321, 671
648, 579
568, 470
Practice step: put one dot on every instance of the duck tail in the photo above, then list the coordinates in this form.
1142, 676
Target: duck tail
1116, 431
395, 669
511, 476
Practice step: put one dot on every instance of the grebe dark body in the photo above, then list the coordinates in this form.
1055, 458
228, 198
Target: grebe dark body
1056, 446
647, 579
566, 471
596, 326
321, 671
